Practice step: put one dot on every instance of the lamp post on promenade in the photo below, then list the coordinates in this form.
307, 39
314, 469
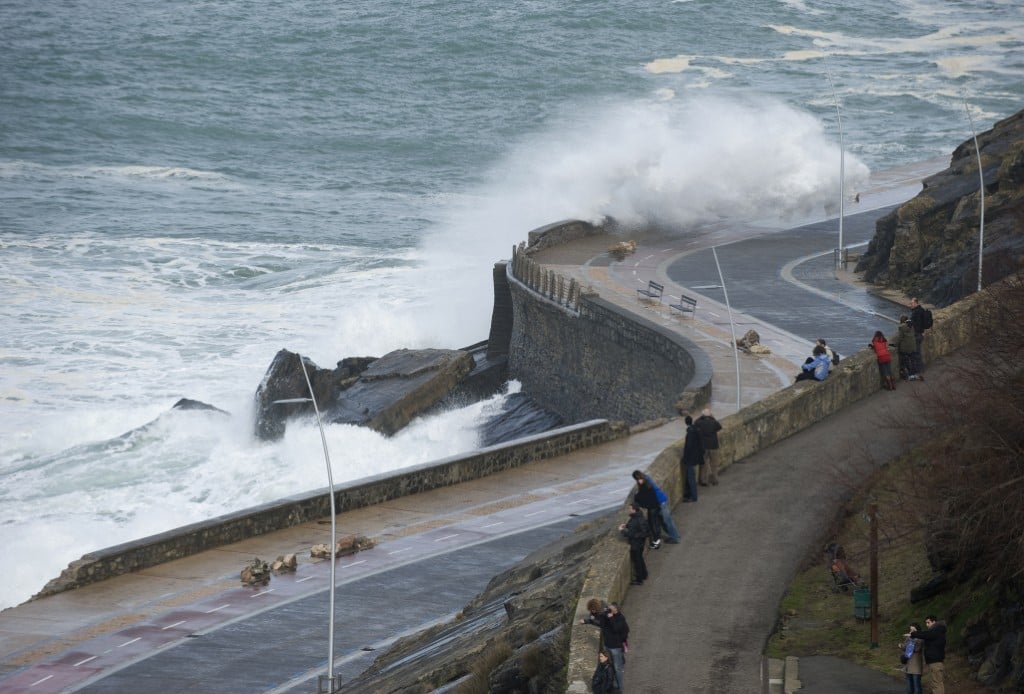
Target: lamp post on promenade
842, 167
981, 193
732, 327
328, 683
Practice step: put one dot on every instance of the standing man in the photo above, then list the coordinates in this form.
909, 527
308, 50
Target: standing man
934, 637
919, 321
905, 346
693, 455
635, 530
709, 428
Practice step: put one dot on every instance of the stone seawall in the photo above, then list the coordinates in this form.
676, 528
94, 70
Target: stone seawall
750, 430
291, 511
596, 359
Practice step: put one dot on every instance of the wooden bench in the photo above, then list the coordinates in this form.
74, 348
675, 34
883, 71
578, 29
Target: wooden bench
653, 291
686, 305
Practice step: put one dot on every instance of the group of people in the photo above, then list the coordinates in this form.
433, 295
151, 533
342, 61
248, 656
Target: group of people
923, 651
909, 337
817, 366
611, 658
650, 523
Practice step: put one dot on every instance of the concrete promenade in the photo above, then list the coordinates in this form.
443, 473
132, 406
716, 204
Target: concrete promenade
79, 638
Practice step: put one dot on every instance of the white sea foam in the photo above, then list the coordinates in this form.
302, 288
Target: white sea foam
663, 65
134, 271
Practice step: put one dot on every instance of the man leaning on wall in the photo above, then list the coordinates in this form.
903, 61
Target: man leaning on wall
709, 428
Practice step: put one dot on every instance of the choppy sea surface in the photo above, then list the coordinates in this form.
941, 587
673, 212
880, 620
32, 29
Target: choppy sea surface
186, 187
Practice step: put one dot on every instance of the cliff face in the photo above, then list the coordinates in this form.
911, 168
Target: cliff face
928, 247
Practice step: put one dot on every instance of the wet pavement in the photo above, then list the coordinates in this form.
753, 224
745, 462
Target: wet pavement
188, 626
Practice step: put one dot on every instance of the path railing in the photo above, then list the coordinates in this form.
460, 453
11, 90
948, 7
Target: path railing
547, 283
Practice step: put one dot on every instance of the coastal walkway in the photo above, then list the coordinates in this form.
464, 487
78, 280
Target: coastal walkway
85, 639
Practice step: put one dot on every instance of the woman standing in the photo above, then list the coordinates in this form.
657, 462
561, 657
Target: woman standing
913, 661
603, 681
881, 347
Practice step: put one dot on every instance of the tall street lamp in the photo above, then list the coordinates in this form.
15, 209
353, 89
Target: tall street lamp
328, 683
842, 165
981, 193
732, 326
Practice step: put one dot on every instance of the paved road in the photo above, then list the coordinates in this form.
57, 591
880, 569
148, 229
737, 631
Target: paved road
786, 279
188, 625
283, 649
721, 586
700, 624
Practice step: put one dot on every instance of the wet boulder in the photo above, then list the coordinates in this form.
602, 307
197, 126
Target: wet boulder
400, 386
285, 381
383, 393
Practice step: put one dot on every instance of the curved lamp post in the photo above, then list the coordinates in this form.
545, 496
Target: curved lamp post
842, 165
732, 326
329, 683
981, 193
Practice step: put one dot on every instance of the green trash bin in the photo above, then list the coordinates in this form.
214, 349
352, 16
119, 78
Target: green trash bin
862, 603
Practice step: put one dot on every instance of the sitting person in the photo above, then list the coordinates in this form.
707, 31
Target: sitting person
843, 571
816, 367
832, 355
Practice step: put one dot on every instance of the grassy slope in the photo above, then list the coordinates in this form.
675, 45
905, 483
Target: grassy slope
814, 620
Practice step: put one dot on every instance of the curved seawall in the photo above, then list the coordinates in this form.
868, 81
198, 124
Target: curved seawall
586, 358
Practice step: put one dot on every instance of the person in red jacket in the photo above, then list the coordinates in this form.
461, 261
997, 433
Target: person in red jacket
881, 347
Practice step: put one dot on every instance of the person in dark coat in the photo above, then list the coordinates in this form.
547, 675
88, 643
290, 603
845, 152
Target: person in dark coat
635, 530
604, 680
906, 346
934, 638
709, 428
693, 455
646, 495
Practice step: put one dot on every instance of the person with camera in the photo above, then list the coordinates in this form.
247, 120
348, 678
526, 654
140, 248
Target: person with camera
614, 633
934, 639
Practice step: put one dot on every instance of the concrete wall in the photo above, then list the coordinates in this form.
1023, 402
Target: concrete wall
602, 361
750, 430
223, 530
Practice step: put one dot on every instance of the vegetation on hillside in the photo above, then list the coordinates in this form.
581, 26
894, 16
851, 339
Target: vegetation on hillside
951, 526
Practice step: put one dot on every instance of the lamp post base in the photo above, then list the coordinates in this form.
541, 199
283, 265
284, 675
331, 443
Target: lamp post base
328, 685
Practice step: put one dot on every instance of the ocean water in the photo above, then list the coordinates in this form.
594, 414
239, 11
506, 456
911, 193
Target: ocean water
187, 187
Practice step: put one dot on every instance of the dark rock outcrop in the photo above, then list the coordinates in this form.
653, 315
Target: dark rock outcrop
520, 416
519, 624
928, 247
399, 386
285, 380
384, 394
189, 404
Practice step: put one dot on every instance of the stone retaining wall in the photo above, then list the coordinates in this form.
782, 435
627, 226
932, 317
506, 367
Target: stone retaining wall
750, 430
596, 359
284, 513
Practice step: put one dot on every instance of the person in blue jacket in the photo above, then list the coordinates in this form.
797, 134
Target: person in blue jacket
659, 510
816, 367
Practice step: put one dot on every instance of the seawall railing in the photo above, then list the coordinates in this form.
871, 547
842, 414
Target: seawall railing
547, 283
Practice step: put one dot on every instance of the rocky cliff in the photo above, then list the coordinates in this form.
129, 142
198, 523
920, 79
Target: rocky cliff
928, 247
511, 638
